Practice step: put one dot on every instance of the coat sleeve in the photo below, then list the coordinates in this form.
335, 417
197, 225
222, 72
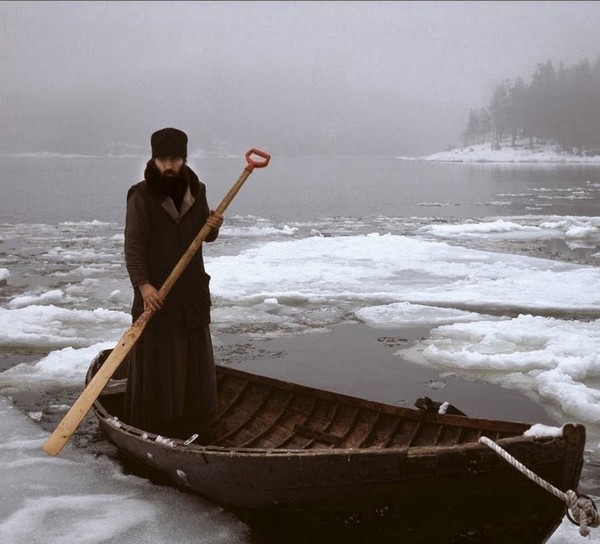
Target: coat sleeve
137, 231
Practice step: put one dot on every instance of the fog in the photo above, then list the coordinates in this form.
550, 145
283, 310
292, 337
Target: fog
295, 78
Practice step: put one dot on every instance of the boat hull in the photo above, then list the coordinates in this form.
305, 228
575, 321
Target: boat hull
444, 493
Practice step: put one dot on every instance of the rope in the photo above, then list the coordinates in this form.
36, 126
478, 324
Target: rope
583, 511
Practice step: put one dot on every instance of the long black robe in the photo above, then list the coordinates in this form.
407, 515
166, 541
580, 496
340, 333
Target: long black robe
172, 383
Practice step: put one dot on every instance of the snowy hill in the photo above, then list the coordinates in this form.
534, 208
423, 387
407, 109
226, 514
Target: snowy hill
485, 153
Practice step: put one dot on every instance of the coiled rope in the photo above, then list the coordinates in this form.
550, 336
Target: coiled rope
583, 511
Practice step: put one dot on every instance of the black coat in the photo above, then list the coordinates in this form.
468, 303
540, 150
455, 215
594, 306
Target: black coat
156, 236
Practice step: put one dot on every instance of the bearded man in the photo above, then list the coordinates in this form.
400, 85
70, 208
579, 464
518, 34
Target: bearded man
171, 387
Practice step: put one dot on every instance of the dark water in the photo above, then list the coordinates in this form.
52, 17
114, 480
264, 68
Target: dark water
56, 189
343, 361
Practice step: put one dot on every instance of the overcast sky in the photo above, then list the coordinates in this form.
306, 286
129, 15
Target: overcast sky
378, 75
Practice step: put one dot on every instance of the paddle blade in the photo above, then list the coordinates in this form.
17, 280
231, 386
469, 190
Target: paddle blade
82, 405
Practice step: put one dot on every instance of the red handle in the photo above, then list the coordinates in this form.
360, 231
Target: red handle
252, 164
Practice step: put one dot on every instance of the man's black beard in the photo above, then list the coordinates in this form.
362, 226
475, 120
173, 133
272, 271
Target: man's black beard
169, 185
168, 181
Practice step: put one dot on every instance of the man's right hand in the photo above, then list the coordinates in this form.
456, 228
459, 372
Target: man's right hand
151, 297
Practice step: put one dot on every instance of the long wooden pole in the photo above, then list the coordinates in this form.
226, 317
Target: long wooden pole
82, 405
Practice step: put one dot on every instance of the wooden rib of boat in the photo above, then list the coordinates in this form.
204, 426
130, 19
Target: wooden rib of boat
299, 464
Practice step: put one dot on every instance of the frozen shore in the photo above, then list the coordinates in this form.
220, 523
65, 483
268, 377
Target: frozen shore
541, 153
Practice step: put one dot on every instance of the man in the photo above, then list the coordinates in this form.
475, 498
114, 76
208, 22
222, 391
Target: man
171, 388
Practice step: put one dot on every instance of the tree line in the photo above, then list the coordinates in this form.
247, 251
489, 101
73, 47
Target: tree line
559, 106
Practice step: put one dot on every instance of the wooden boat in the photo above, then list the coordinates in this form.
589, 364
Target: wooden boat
299, 464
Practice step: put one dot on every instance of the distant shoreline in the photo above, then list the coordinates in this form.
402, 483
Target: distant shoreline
480, 153
483, 153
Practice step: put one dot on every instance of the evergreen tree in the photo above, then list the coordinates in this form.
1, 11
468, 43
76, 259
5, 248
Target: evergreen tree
500, 112
560, 106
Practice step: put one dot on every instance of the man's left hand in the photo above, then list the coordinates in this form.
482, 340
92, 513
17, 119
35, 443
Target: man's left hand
215, 220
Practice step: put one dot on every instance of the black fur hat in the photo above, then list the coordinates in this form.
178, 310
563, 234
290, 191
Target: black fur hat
169, 142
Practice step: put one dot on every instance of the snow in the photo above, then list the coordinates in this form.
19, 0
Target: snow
500, 317
81, 499
542, 153
542, 431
